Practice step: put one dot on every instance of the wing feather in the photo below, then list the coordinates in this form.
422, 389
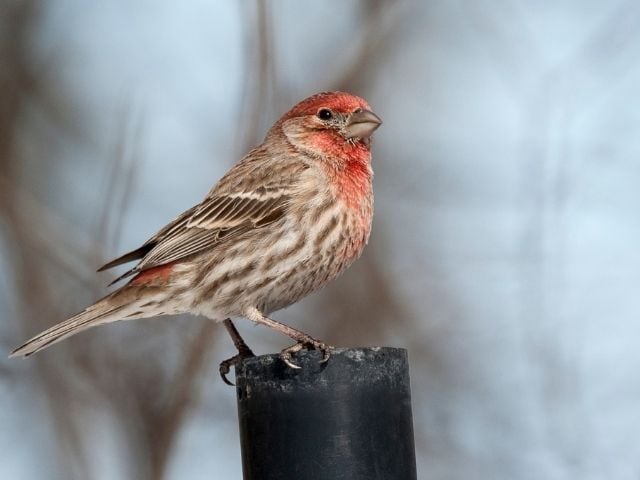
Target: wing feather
202, 232
229, 210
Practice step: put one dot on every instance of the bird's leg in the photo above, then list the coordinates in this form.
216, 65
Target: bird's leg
243, 351
302, 339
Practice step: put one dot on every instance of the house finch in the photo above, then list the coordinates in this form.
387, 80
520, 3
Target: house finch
284, 221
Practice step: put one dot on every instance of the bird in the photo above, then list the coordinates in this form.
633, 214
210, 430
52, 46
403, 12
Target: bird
284, 221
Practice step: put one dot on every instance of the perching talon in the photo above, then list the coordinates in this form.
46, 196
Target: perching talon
225, 366
309, 344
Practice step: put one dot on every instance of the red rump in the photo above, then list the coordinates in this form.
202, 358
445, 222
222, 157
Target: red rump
155, 274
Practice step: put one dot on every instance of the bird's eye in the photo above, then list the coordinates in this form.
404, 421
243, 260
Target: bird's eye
325, 114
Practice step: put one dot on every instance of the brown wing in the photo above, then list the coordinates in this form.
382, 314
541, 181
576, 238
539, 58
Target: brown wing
140, 252
218, 218
230, 209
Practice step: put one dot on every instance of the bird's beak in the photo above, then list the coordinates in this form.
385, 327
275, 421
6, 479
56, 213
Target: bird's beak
362, 124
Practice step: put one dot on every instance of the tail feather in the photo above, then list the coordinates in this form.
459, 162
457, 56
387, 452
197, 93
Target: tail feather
104, 311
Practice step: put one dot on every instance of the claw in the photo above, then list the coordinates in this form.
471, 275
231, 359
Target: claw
286, 358
327, 354
225, 366
310, 344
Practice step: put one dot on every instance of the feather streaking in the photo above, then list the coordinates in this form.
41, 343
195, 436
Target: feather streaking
287, 219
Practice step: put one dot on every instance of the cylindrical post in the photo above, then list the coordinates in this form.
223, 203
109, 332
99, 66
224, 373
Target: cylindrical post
349, 418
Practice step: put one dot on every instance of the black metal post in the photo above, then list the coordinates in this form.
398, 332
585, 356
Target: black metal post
349, 418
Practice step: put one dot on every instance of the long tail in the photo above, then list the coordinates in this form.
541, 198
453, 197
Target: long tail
116, 306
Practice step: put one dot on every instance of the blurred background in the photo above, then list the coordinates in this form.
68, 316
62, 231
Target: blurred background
504, 253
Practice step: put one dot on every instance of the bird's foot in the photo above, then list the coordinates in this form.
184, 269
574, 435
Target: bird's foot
308, 343
234, 361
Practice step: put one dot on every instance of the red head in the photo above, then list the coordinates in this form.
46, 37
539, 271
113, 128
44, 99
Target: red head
334, 129
331, 124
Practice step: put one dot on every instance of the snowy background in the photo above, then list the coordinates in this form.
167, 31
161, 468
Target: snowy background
505, 252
